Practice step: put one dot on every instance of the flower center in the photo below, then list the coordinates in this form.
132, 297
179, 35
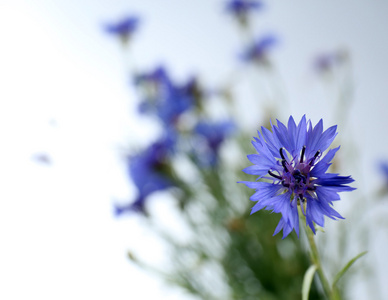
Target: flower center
295, 175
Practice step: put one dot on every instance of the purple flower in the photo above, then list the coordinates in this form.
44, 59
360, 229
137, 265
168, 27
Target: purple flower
165, 99
242, 7
292, 168
258, 50
148, 170
327, 61
124, 28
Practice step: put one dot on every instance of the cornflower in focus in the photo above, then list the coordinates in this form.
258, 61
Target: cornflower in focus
292, 169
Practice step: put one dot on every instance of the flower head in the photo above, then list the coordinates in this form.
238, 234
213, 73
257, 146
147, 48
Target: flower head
148, 171
327, 61
258, 50
124, 28
292, 169
165, 99
239, 7
384, 169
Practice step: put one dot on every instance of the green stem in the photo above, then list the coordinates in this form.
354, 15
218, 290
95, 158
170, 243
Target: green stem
317, 261
332, 294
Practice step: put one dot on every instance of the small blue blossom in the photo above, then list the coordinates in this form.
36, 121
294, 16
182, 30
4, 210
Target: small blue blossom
213, 134
124, 28
328, 61
165, 99
242, 7
258, 50
292, 169
384, 170
148, 172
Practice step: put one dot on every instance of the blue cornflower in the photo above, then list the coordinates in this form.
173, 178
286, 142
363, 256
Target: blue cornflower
292, 167
241, 8
384, 170
325, 62
124, 28
165, 99
258, 50
148, 171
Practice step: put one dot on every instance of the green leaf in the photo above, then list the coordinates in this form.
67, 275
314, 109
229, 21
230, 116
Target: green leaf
348, 265
307, 279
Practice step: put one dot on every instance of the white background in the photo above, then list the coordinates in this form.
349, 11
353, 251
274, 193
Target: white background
64, 91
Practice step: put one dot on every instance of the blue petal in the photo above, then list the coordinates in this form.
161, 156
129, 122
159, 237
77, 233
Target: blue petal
262, 149
313, 137
292, 135
330, 179
322, 166
326, 139
327, 193
265, 190
314, 212
287, 228
272, 141
300, 139
282, 134
258, 206
256, 170
279, 227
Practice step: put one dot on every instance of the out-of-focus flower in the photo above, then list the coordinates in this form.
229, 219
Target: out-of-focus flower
43, 158
325, 62
164, 98
292, 167
241, 8
149, 172
258, 50
384, 170
212, 135
124, 28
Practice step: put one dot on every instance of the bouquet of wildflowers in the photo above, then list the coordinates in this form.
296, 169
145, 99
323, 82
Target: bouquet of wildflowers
196, 160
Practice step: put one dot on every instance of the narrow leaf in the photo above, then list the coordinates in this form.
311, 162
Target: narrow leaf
347, 266
307, 279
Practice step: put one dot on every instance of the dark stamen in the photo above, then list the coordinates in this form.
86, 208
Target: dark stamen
274, 175
315, 156
285, 184
281, 153
312, 188
302, 154
284, 165
301, 197
317, 153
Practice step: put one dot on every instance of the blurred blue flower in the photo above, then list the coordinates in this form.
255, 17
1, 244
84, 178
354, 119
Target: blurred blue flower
384, 170
212, 135
124, 28
327, 61
242, 7
258, 50
165, 99
148, 170
293, 168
